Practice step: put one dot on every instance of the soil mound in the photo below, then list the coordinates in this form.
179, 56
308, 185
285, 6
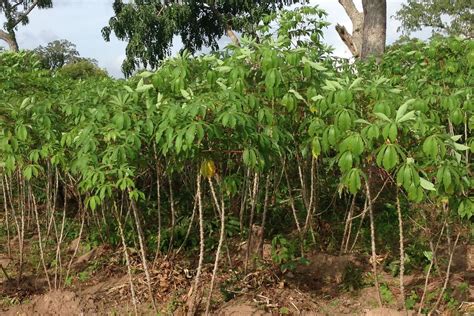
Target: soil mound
54, 303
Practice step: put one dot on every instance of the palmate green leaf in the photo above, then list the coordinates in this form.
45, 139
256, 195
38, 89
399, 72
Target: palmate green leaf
354, 180
185, 94
430, 146
246, 156
380, 155
178, 143
373, 132
382, 116
456, 137
330, 136
223, 69
28, 172
356, 83
315, 147
387, 156
25, 103
250, 157
93, 202
144, 87
402, 110
393, 132
190, 134
297, 94
119, 121
466, 208
21, 132
345, 161
149, 127
332, 85
427, 185
407, 117
461, 147
10, 163
354, 144
362, 121
415, 193
136, 195
456, 116
146, 74
270, 79
317, 66
446, 179
390, 132
344, 120
225, 118
390, 157
401, 175
316, 127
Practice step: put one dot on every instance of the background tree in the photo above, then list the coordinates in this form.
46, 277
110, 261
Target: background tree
368, 27
82, 68
455, 17
16, 12
150, 25
57, 54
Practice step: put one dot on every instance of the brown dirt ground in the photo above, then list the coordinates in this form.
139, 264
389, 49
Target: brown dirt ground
312, 289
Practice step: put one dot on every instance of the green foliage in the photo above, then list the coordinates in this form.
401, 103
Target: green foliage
411, 300
447, 17
198, 22
57, 54
82, 69
352, 278
386, 294
285, 253
253, 109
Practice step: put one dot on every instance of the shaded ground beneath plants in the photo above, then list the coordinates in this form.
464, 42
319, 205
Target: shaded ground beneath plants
327, 285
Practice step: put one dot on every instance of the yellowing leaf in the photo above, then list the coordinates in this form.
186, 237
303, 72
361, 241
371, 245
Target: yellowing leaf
208, 168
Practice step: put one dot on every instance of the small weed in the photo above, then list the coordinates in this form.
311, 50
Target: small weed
451, 302
284, 311
411, 300
463, 288
9, 301
283, 253
68, 281
84, 276
352, 278
334, 302
386, 294
173, 304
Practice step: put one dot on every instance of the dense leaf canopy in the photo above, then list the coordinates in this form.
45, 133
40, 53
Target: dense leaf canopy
57, 54
448, 17
318, 130
149, 26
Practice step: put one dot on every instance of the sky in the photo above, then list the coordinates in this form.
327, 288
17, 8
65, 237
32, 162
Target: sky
81, 21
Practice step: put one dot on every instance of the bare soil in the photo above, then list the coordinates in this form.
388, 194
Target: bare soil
321, 287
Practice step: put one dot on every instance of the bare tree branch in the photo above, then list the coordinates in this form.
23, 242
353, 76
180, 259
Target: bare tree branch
353, 41
347, 39
24, 14
351, 10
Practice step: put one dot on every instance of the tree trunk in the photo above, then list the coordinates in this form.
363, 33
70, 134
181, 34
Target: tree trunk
375, 28
368, 28
10, 40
